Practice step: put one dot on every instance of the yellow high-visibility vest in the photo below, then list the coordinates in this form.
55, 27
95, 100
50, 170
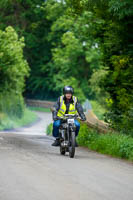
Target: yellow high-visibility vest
72, 107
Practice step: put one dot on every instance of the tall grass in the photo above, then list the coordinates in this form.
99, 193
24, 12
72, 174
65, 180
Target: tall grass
114, 144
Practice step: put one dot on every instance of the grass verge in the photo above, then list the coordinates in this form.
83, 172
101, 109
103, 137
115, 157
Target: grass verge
114, 144
39, 109
13, 122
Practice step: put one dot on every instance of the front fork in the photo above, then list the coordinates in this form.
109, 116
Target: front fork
65, 135
64, 138
70, 130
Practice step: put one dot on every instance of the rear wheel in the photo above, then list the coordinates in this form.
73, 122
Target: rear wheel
72, 145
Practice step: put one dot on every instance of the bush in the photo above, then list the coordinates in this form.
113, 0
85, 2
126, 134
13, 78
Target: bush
13, 66
13, 70
121, 122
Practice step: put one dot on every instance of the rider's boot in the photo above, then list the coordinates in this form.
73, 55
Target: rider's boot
56, 142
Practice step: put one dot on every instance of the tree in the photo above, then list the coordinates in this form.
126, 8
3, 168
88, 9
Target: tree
28, 18
76, 53
116, 44
13, 70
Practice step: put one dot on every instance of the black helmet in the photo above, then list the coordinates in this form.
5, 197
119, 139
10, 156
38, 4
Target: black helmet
68, 89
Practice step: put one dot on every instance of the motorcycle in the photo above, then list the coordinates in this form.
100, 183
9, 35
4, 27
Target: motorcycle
67, 135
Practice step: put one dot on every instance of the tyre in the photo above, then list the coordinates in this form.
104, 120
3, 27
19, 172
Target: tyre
72, 145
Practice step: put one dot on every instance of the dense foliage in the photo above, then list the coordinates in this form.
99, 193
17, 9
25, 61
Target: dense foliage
13, 69
57, 49
116, 44
29, 20
84, 43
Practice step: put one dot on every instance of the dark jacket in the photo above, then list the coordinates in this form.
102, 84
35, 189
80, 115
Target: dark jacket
68, 102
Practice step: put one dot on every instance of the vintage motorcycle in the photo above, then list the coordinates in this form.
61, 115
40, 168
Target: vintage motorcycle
67, 134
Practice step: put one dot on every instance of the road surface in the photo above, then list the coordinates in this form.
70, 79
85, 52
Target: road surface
31, 169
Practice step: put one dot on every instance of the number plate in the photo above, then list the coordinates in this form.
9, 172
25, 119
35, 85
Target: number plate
70, 121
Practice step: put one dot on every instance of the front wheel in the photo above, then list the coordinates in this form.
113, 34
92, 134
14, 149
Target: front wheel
72, 145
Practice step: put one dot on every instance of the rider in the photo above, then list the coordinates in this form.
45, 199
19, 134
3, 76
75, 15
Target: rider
66, 104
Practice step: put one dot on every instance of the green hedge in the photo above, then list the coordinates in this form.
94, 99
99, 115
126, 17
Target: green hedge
113, 144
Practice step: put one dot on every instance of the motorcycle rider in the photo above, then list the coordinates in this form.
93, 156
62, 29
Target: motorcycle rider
66, 104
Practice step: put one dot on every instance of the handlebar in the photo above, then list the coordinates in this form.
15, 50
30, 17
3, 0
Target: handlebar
70, 115
66, 116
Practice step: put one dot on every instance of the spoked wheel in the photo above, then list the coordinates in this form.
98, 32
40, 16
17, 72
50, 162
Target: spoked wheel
72, 145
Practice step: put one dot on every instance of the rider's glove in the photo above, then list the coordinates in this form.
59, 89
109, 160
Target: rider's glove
55, 118
83, 118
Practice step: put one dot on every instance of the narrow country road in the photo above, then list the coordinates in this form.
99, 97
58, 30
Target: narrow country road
31, 169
